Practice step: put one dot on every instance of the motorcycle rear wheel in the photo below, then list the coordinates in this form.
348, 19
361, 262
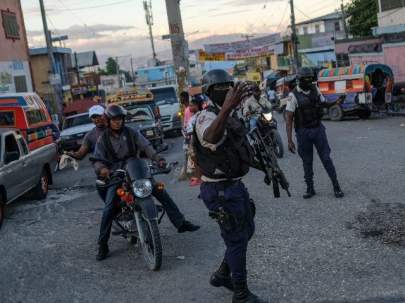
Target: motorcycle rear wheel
152, 247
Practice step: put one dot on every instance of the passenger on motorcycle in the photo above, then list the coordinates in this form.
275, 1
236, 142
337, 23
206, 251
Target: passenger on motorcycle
117, 144
254, 106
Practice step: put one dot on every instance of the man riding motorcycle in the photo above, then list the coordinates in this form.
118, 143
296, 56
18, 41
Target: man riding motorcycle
254, 105
117, 144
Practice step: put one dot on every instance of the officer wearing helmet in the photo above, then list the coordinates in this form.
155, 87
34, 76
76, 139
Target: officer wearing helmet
223, 156
305, 110
116, 144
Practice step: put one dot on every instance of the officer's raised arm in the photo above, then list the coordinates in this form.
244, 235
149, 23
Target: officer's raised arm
234, 97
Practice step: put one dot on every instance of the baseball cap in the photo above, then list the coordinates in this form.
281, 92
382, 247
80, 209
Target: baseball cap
96, 110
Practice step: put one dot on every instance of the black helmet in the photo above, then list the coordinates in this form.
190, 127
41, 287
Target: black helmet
305, 72
115, 110
215, 76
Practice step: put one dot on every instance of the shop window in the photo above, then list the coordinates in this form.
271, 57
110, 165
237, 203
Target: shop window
20, 83
10, 25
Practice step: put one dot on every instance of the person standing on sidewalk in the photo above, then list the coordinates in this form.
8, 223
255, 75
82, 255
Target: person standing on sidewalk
305, 110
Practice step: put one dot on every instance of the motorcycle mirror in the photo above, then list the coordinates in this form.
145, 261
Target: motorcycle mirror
100, 183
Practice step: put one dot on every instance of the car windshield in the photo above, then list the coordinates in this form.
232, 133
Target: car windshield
76, 121
165, 96
139, 114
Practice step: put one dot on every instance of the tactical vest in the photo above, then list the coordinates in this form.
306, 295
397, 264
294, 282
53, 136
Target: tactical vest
110, 152
309, 111
233, 157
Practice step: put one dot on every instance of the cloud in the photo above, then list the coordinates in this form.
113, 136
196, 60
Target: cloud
76, 32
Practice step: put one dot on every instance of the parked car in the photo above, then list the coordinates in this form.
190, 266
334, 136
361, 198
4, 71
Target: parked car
166, 99
22, 170
73, 131
28, 113
142, 118
362, 89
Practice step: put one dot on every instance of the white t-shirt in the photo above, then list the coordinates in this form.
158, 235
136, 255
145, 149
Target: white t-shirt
292, 102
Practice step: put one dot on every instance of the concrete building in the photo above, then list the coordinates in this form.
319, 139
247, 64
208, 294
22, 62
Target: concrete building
317, 39
41, 70
15, 75
155, 76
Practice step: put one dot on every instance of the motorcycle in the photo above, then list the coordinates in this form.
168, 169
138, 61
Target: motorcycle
267, 125
138, 216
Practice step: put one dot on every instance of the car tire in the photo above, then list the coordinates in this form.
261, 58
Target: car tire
336, 113
40, 191
2, 210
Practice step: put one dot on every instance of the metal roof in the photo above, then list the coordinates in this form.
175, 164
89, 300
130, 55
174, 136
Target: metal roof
331, 16
44, 51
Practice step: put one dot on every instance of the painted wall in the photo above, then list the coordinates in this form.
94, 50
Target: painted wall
311, 28
391, 17
366, 58
394, 57
40, 73
14, 59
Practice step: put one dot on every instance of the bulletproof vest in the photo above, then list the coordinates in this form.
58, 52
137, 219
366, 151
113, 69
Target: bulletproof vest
233, 157
110, 152
309, 111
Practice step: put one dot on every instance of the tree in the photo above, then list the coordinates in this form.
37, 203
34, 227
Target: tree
111, 66
362, 17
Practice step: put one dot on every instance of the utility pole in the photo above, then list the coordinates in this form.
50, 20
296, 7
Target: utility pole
132, 72
179, 44
118, 72
149, 21
48, 39
344, 19
294, 39
77, 69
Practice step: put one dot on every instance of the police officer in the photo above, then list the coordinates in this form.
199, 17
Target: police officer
117, 144
304, 110
223, 156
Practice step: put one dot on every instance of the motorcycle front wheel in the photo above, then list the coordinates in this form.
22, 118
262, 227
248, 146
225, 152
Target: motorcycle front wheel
152, 246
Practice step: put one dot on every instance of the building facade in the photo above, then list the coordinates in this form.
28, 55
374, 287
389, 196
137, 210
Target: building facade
317, 39
155, 76
15, 74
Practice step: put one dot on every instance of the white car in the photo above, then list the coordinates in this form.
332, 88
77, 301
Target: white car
166, 99
74, 129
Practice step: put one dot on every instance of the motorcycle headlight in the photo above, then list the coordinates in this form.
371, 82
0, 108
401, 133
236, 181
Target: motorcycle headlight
268, 116
142, 188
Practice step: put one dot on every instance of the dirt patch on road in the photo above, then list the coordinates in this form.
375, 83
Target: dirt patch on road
385, 221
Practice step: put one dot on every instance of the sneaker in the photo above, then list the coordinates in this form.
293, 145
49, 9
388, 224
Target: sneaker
187, 226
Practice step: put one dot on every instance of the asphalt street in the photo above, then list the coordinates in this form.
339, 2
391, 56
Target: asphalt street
302, 250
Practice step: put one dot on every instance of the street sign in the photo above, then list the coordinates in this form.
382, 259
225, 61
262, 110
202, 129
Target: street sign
203, 56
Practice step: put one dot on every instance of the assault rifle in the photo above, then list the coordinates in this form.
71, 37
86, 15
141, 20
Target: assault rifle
266, 161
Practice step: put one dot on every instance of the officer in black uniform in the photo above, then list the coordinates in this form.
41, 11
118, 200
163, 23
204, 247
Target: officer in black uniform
304, 110
223, 156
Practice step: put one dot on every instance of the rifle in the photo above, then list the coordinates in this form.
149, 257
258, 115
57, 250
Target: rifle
266, 161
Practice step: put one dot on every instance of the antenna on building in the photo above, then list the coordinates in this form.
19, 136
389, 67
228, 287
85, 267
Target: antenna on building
147, 5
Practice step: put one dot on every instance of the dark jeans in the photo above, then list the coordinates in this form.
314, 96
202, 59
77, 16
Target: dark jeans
111, 207
234, 199
307, 138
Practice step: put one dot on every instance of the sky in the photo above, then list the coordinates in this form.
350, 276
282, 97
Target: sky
118, 27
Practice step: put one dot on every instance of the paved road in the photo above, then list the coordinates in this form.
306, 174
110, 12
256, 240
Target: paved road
302, 250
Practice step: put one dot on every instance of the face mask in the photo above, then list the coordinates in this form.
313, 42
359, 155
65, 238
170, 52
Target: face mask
218, 96
305, 84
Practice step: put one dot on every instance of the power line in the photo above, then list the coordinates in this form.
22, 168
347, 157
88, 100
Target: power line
99, 6
282, 18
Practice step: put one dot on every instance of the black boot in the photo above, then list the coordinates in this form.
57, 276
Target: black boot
187, 226
222, 277
102, 252
337, 190
310, 192
243, 295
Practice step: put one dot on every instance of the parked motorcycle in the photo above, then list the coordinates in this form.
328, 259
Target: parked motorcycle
138, 216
